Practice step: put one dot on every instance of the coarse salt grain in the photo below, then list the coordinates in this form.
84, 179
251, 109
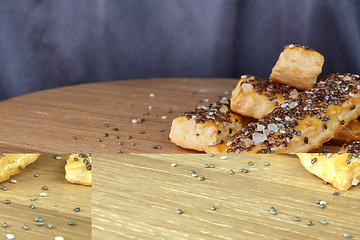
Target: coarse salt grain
164, 117
58, 238
134, 120
355, 181
223, 157
152, 95
43, 194
173, 165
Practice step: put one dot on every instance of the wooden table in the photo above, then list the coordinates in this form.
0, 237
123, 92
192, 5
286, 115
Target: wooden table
46, 121
57, 207
137, 196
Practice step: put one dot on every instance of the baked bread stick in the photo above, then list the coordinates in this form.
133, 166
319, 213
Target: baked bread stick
11, 164
206, 125
341, 170
297, 66
78, 169
302, 124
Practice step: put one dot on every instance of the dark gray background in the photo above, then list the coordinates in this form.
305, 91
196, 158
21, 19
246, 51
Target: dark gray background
51, 43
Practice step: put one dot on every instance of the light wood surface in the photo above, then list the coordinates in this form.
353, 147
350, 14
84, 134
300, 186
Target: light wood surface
136, 197
57, 207
46, 121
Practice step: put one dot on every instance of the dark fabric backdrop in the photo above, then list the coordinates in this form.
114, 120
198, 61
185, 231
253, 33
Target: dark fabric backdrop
51, 43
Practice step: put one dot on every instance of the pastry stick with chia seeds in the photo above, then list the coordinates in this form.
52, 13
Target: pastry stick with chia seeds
206, 125
301, 124
11, 164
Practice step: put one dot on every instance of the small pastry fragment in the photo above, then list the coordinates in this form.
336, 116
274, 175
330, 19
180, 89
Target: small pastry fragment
206, 125
341, 170
301, 124
78, 169
297, 66
11, 164
350, 131
351, 146
255, 97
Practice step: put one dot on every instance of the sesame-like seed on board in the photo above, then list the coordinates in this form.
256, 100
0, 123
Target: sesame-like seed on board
173, 164
336, 192
347, 235
40, 223
324, 222
7, 201
295, 218
213, 208
72, 223
5, 225
309, 223
50, 225
179, 211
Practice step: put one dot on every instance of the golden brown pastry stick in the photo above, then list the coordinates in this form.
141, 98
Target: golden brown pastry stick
350, 131
256, 97
341, 170
11, 164
302, 124
79, 169
206, 125
297, 66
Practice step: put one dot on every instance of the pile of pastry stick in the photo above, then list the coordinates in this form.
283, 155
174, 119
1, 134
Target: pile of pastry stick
293, 112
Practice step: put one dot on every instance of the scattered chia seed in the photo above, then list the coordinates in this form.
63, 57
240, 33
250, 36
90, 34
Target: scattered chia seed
77, 209
211, 155
244, 170
202, 178
36, 175
194, 175
250, 163
132, 144
71, 223
99, 140
212, 165
50, 225
347, 235
309, 223
33, 198
336, 192
156, 147
161, 130
325, 182
272, 210
322, 206
115, 129
40, 223
45, 188
323, 222
74, 137
106, 135
206, 165
5, 225
141, 132
296, 218
4, 188
231, 171
192, 171
119, 151
38, 219
106, 125
7, 201
58, 238
173, 165
26, 227
10, 236
116, 137
155, 115
32, 206
318, 201
21, 168
179, 211
322, 203
213, 208
120, 143
266, 163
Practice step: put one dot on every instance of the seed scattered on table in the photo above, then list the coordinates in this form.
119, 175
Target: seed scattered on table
26, 227
192, 171
244, 170
5, 225
32, 206
106, 125
202, 178
45, 188
194, 175
115, 129
309, 223
179, 211
37, 174
71, 223
40, 223
129, 137
33, 198
106, 135
119, 151
99, 140
120, 143
325, 182
7, 201
50, 225
58, 238
161, 130
250, 163
173, 165
77, 209
38, 219
296, 218
211, 165
13, 181
4, 188
322, 202
272, 210
74, 137
206, 165
322, 206
347, 235
213, 208
132, 143
323, 222
116, 137
266, 163
211, 155
336, 192
231, 171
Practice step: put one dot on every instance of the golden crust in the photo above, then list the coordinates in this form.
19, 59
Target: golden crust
255, 97
11, 164
297, 66
302, 124
350, 131
341, 170
78, 169
206, 125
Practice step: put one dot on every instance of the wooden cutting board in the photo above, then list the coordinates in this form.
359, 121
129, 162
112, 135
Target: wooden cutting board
57, 207
47, 121
137, 196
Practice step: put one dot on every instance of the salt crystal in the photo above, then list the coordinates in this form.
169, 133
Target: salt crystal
43, 194
152, 95
307, 163
347, 78
291, 45
355, 181
247, 87
258, 138
58, 238
243, 76
260, 127
248, 142
293, 104
294, 93
224, 100
10, 236
223, 157
272, 127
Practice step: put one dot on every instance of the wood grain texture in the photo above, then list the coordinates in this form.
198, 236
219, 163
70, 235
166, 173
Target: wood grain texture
135, 196
57, 207
46, 121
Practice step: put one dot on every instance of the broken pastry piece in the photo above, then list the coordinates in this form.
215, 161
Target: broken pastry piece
206, 125
301, 124
78, 169
341, 170
297, 66
351, 146
11, 164
255, 97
